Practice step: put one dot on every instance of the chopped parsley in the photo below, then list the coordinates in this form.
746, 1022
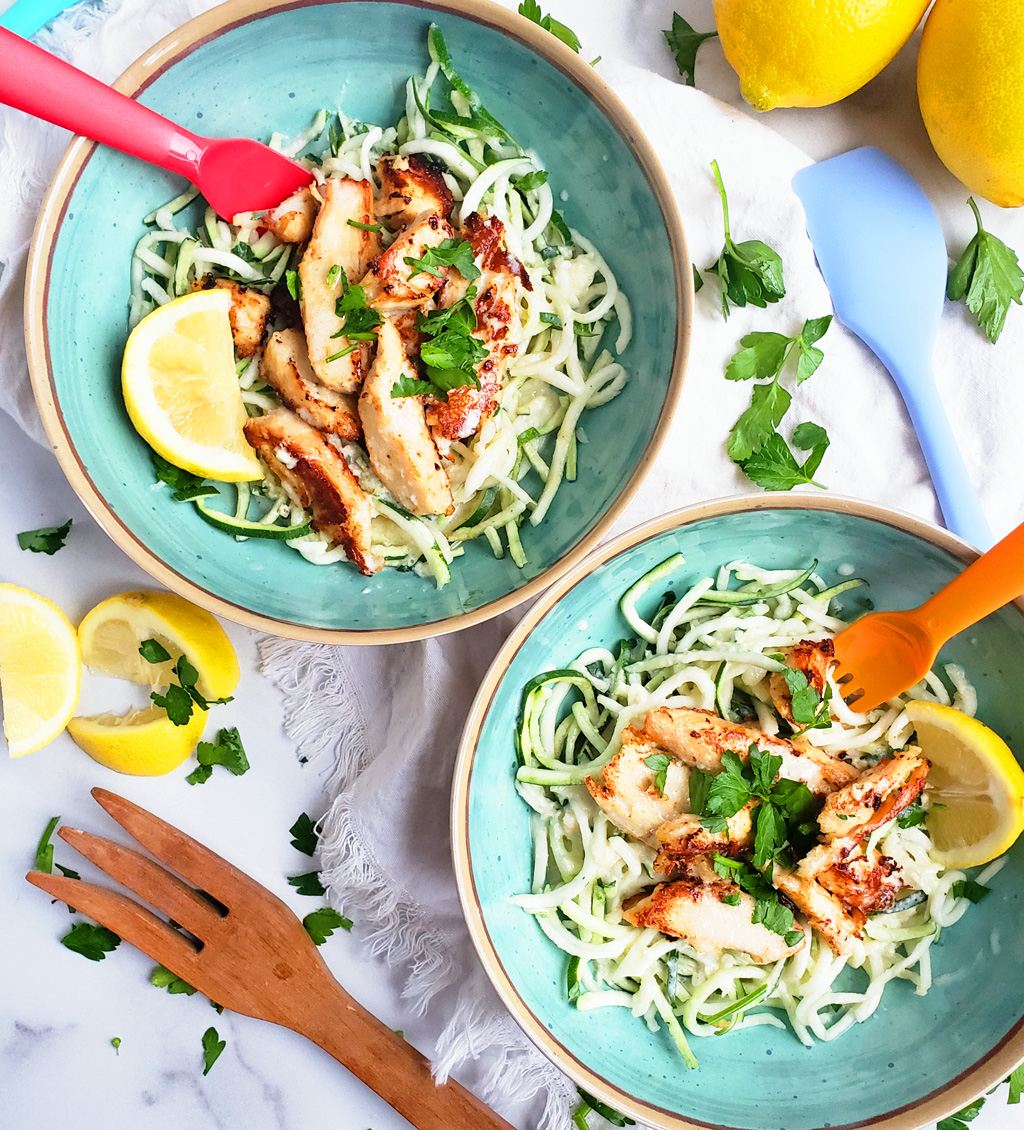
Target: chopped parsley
456, 253
334, 274
213, 1045
408, 386
912, 816
322, 923
227, 750
750, 272
588, 1103
658, 763
532, 11
969, 889
304, 835
294, 284
359, 321
684, 43
768, 910
47, 539
532, 181
307, 884
361, 227
809, 708
987, 278
180, 697
44, 849
115, 1043
163, 978
90, 940
185, 485
451, 353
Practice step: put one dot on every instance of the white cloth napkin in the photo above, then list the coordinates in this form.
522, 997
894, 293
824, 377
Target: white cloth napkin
390, 718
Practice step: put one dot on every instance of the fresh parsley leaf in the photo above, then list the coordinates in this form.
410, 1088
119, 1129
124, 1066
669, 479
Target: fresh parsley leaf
304, 835
67, 872
294, 284
115, 1043
44, 849
227, 750
407, 386
173, 476
361, 227
773, 916
750, 272
732, 900
307, 884
604, 1110
177, 702
1016, 1081
757, 424
456, 253
726, 867
761, 356
699, 787
810, 356
658, 763
764, 768
912, 817
212, 1047
322, 923
698, 281
532, 181
769, 836
154, 652
795, 800
987, 278
163, 978
46, 540
730, 789
684, 44
532, 11
968, 888
792, 937
774, 467
959, 1120
90, 940
359, 322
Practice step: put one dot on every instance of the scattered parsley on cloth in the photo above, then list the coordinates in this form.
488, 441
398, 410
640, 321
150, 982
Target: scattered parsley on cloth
987, 278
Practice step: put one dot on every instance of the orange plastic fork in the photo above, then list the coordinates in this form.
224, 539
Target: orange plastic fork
884, 653
250, 954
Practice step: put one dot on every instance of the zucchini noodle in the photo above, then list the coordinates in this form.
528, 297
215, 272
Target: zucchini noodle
509, 472
705, 648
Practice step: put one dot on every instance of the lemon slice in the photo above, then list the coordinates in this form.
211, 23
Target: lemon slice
142, 743
40, 669
976, 781
181, 390
113, 631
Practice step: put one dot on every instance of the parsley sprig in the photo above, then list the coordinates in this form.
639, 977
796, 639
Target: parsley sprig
457, 253
450, 354
684, 43
227, 750
590, 1104
213, 1045
754, 443
47, 539
359, 321
987, 278
749, 272
90, 940
532, 11
322, 923
809, 708
183, 696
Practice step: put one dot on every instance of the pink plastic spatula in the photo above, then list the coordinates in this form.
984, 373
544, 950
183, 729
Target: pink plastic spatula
234, 174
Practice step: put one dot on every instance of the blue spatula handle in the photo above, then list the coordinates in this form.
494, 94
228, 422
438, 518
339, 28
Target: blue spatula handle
957, 497
26, 17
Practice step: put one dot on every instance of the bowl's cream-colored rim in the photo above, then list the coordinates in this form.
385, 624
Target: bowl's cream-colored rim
984, 1074
133, 82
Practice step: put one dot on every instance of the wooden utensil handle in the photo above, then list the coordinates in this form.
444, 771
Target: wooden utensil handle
390, 1065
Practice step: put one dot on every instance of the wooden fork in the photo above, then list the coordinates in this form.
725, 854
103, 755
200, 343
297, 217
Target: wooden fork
250, 954
882, 654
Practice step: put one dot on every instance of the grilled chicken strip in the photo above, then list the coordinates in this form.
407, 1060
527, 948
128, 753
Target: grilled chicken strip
699, 738
839, 927
316, 476
685, 837
285, 366
857, 881
815, 658
497, 326
247, 314
875, 798
397, 439
691, 908
391, 283
409, 187
627, 793
292, 220
335, 242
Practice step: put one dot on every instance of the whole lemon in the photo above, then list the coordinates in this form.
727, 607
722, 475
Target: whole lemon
811, 52
970, 82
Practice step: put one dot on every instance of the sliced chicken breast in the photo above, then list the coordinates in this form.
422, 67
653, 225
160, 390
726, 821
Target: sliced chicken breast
699, 738
285, 367
336, 243
318, 479
396, 435
868, 884
876, 797
391, 283
627, 793
292, 220
684, 837
838, 926
409, 186
691, 907
815, 658
247, 314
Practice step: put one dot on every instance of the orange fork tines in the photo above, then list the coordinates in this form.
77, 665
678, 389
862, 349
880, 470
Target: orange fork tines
884, 653
245, 949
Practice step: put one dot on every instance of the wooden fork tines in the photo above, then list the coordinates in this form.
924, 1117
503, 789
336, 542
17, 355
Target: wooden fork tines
245, 949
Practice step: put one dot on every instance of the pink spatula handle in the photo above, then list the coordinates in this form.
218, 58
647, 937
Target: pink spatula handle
46, 87
996, 578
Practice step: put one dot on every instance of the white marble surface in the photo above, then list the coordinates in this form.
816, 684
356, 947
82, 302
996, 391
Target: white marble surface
58, 1012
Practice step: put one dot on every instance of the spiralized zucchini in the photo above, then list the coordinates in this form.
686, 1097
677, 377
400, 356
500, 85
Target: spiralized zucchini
708, 648
509, 472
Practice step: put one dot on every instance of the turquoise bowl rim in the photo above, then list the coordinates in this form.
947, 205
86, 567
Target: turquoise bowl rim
984, 1074
150, 66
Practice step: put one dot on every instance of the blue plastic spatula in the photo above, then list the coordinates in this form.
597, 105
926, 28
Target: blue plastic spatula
881, 251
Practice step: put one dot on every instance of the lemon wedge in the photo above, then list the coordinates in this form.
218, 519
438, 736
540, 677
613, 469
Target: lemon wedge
181, 390
40, 669
146, 743
113, 631
975, 784
141, 743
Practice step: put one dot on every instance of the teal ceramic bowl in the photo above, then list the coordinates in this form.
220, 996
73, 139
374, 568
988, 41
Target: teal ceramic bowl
249, 67
918, 1058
